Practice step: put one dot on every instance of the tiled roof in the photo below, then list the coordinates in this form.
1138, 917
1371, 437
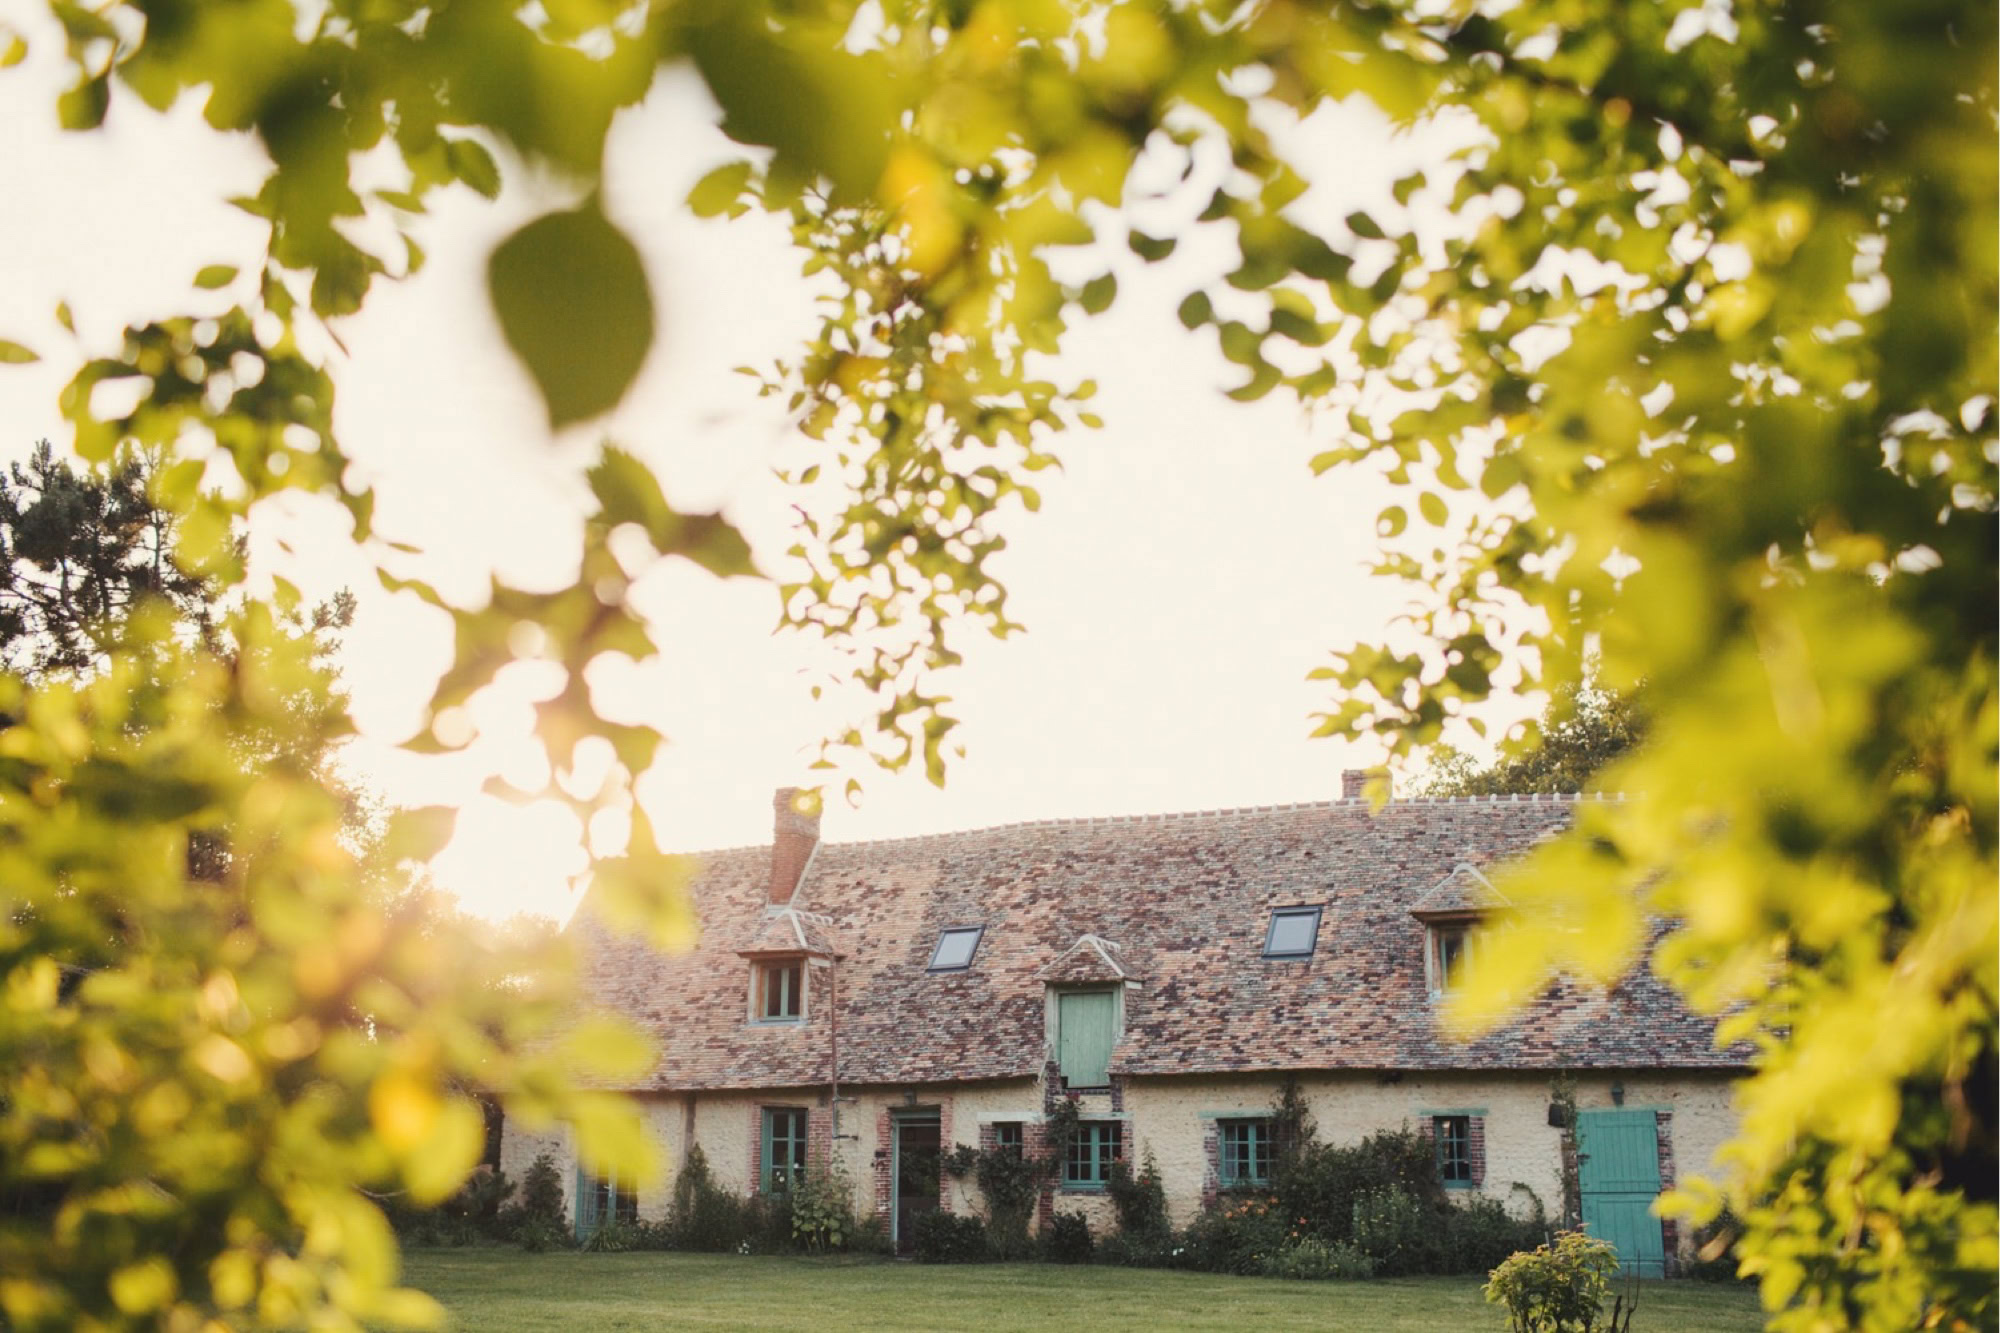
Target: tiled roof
1463, 890
1177, 903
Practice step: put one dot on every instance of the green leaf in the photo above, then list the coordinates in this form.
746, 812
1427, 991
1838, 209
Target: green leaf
1152, 249
14, 354
1196, 310
1431, 505
214, 276
571, 296
717, 192
83, 107
1365, 227
471, 163
1099, 293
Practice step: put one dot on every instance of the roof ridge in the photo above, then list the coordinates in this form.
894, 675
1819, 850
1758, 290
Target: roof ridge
1171, 816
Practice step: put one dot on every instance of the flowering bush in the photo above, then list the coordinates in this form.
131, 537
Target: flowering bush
1240, 1235
1557, 1288
1311, 1259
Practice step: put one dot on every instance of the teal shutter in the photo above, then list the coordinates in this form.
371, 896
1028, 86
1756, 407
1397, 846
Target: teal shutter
1618, 1166
1086, 1023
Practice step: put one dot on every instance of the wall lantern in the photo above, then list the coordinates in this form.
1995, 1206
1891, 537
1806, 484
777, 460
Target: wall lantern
1617, 1093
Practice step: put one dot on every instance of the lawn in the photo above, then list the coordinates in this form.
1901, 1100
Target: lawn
506, 1291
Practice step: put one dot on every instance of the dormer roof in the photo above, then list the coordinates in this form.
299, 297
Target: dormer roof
1464, 892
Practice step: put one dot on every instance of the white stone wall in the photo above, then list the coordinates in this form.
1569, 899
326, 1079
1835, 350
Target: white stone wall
1166, 1116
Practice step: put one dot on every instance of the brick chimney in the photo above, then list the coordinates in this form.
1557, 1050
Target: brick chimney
794, 834
1354, 782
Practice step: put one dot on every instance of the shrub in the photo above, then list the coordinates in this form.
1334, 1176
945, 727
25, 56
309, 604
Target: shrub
822, 1209
1557, 1288
537, 1234
1067, 1240
652, 1235
1160, 1249
938, 1237
1396, 1231
1320, 1182
1140, 1199
1311, 1259
871, 1236
612, 1238
705, 1216
1011, 1183
1239, 1235
542, 1191
1480, 1233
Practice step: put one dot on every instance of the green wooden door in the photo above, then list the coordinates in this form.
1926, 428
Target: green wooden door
1618, 1166
1086, 1025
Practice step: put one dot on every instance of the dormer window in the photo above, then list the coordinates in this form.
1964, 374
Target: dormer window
778, 991
955, 948
1445, 963
1293, 932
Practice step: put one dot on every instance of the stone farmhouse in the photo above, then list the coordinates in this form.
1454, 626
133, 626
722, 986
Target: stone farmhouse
886, 1001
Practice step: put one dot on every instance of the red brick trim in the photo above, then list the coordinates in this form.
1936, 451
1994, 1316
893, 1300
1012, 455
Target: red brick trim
885, 1163
945, 1144
1670, 1228
1211, 1152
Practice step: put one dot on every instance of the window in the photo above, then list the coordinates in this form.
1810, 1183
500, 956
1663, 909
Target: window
784, 1149
1448, 953
602, 1200
1086, 1030
1092, 1150
1294, 931
780, 992
955, 948
1007, 1137
1246, 1152
1453, 1136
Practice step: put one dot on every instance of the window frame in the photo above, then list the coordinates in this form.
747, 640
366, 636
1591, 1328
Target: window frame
1092, 1137
1449, 1132
797, 1119
1438, 971
978, 934
1312, 910
1260, 1141
1014, 1130
612, 1202
760, 973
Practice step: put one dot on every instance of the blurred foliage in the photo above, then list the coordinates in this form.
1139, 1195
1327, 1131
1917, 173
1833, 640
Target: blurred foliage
1685, 360
1580, 731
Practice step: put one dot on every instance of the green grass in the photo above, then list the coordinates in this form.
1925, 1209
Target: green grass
506, 1291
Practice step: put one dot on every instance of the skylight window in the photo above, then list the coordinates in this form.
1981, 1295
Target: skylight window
1294, 931
955, 948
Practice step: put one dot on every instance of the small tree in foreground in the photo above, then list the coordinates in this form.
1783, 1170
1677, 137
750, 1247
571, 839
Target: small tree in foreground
1557, 1288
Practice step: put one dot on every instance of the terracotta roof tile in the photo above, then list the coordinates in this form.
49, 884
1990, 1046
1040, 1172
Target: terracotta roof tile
1187, 900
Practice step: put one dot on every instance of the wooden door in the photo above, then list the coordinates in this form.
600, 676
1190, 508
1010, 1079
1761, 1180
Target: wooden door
1618, 1167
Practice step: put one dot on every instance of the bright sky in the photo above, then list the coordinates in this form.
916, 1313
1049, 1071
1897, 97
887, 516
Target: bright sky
1185, 573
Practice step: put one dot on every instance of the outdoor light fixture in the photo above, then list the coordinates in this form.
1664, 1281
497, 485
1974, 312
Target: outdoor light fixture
1617, 1093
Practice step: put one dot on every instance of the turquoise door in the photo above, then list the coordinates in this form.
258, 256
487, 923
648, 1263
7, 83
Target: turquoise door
1618, 1166
1086, 1028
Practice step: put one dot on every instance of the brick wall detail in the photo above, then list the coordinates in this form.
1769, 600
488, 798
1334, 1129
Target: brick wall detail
1670, 1228
885, 1163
